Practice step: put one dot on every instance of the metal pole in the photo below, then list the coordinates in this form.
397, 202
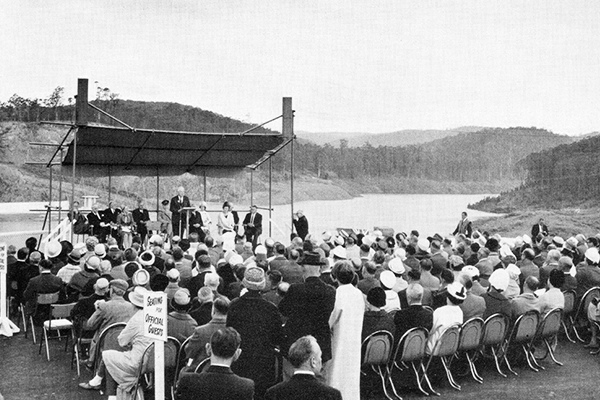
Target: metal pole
287, 132
109, 183
73, 179
157, 192
60, 188
251, 187
270, 194
50, 204
292, 184
204, 185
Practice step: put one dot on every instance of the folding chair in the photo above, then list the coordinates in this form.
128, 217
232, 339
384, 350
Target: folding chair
522, 335
180, 364
44, 299
469, 343
411, 349
79, 341
493, 338
581, 312
203, 365
376, 353
567, 320
445, 348
146, 366
108, 335
57, 321
547, 333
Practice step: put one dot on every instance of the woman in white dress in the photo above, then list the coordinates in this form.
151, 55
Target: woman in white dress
125, 221
225, 221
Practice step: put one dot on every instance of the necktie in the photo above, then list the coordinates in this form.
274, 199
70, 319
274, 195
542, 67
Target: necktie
252, 218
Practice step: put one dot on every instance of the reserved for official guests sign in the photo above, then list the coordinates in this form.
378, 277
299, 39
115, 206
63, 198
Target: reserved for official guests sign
155, 315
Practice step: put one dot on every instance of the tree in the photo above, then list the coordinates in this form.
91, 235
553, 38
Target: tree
55, 100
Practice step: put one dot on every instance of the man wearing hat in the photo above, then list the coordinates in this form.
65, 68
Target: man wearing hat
588, 272
147, 260
53, 250
72, 267
495, 301
397, 267
375, 318
180, 324
173, 285
448, 315
307, 307
79, 280
106, 313
387, 281
85, 307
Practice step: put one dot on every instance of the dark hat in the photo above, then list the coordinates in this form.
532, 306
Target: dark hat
437, 237
164, 202
311, 258
74, 256
492, 244
376, 297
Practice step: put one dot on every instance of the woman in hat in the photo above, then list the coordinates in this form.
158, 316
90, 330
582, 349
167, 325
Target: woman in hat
126, 227
225, 221
448, 315
122, 366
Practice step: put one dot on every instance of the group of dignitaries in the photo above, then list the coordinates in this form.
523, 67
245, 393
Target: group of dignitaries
313, 300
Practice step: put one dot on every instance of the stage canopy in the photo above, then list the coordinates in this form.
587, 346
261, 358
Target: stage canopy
144, 151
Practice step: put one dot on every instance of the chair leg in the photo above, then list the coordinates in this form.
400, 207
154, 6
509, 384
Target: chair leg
566, 330
573, 324
426, 377
507, 363
451, 380
551, 352
473, 369
391, 381
32, 329
418, 379
383, 383
24, 319
498, 362
531, 366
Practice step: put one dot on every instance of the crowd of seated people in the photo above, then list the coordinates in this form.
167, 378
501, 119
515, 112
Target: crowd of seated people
313, 301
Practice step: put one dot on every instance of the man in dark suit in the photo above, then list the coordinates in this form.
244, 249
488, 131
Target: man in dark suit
253, 226
219, 381
305, 357
177, 215
301, 224
538, 228
109, 217
41, 284
141, 217
96, 220
308, 306
413, 316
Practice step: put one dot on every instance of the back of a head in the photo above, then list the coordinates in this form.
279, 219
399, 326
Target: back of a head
414, 293
46, 264
177, 253
532, 283
169, 264
35, 258
275, 277
209, 241
301, 350
225, 342
426, 264
529, 254
221, 305
557, 278
553, 255
130, 254
447, 276
280, 248
130, 269
345, 272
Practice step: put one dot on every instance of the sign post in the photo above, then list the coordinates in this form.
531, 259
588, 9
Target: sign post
155, 327
7, 328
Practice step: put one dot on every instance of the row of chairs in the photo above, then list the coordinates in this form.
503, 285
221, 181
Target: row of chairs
472, 340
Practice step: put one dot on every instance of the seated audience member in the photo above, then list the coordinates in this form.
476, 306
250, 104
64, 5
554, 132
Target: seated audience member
513, 289
86, 306
553, 297
72, 267
427, 279
392, 301
526, 301
218, 382
44, 283
495, 301
196, 347
202, 306
415, 315
79, 280
376, 318
588, 272
180, 324
550, 264
473, 274
527, 266
565, 264
369, 280
473, 305
305, 357
447, 315
397, 267
439, 297
414, 276
173, 286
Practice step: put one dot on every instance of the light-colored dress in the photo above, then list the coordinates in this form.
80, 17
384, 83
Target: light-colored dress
346, 322
123, 366
443, 318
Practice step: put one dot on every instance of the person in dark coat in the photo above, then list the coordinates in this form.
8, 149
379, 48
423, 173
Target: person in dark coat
109, 216
495, 301
141, 217
253, 226
308, 306
375, 318
95, 219
259, 324
178, 203
413, 316
219, 382
44, 283
539, 228
301, 224
20, 273
305, 357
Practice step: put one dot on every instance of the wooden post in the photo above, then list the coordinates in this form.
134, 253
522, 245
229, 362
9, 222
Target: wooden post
288, 133
204, 185
81, 103
49, 211
60, 188
251, 187
270, 194
157, 192
109, 183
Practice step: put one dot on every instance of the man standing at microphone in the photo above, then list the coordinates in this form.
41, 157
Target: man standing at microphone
177, 215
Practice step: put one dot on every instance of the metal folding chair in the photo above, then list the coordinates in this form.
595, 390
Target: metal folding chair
44, 299
495, 329
445, 348
202, 365
376, 353
57, 321
522, 335
110, 333
469, 343
146, 366
547, 333
581, 313
568, 310
411, 350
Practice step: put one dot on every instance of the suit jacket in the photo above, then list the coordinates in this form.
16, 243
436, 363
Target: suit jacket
278, 262
301, 225
412, 317
94, 221
535, 230
110, 216
215, 384
257, 229
140, 216
308, 306
303, 387
176, 206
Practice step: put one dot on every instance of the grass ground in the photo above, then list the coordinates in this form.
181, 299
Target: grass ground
26, 375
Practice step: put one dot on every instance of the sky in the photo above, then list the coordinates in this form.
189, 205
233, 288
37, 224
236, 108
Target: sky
350, 66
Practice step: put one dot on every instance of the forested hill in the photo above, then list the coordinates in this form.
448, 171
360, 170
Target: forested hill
487, 155
563, 176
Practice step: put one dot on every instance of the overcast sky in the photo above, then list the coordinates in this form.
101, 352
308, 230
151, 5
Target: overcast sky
373, 66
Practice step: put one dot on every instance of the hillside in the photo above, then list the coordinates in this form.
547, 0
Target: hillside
563, 176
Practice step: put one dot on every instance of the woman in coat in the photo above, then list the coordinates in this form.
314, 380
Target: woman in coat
125, 221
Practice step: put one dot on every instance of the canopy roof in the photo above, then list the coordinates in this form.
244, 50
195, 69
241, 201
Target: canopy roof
178, 152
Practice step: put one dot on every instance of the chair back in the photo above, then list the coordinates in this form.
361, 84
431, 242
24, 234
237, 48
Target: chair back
585, 302
61, 310
377, 348
428, 308
447, 344
47, 298
172, 348
551, 324
525, 327
569, 302
108, 338
411, 346
203, 365
471, 332
495, 328
180, 362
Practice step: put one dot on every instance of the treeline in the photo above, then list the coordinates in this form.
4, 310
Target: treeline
487, 155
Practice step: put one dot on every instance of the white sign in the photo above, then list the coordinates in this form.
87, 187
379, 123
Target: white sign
3, 257
155, 315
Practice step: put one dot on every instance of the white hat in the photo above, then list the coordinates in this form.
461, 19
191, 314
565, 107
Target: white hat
470, 271
505, 251
141, 277
339, 240
377, 233
513, 271
456, 290
147, 258
326, 236
558, 241
260, 249
387, 279
102, 283
236, 259
400, 253
100, 250
176, 239
53, 249
499, 279
136, 297
367, 240
80, 246
173, 274
92, 263
592, 255
423, 245
527, 239
396, 266
339, 252
156, 240
212, 280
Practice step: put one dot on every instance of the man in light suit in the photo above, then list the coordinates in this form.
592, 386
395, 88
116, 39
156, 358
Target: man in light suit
305, 357
253, 226
219, 381
177, 215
